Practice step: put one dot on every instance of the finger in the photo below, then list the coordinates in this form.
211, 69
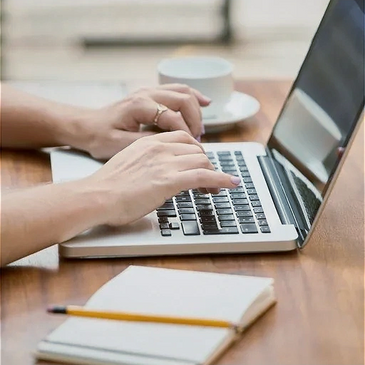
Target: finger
177, 137
172, 121
193, 161
146, 113
186, 104
214, 190
186, 90
182, 149
182, 88
193, 179
207, 191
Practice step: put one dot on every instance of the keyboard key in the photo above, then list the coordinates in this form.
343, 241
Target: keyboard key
237, 190
208, 219
224, 211
204, 207
247, 180
243, 168
186, 211
263, 222
228, 163
202, 201
254, 197
183, 193
190, 228
164, 226
256, 204
258, 210
222, 205
174, 225
226, 217
228, 224
165, 232
245, 174
230, 171
188, 217
239, 201
205, 213
246, 219
225, 158
201, 195
221, 193
249, 228
260, 216
265, 229
166, 213
237, 153
244, 213
167, 206
242, 207
163, 220
226, 230
238, 195
251, 191
184, 198
184, 205
220, 199
249, 186
209, 225
224, 153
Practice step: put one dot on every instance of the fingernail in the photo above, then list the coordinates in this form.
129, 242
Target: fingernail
203, 130
235, 180
206, 99
199, 139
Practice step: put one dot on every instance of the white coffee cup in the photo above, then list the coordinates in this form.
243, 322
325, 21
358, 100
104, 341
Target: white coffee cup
212, 76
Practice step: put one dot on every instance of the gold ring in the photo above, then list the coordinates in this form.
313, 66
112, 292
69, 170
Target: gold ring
160, 110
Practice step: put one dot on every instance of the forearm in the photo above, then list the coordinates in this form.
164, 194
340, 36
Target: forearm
36, 218
28, 121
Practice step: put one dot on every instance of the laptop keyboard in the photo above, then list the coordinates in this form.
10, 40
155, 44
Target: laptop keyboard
235, 211
310, 201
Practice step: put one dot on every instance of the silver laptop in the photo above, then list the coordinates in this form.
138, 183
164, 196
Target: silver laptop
284, 185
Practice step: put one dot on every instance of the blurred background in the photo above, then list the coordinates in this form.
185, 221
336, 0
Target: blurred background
125, 39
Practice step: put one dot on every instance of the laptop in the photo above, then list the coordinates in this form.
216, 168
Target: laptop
284, 185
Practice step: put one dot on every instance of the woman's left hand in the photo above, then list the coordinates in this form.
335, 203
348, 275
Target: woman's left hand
106, 131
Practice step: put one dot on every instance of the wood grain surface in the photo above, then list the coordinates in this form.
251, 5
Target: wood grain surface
319, 317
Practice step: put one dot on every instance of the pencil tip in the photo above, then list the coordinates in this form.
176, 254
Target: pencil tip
57, 309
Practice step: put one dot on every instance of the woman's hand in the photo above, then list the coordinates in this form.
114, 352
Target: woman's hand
107, 131
140, 178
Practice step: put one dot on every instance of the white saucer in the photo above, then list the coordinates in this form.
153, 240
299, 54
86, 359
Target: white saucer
241, 106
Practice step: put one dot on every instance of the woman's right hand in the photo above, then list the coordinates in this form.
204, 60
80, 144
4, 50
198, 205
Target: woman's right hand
153, 169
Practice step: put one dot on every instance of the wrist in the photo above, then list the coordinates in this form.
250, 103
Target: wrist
72, 127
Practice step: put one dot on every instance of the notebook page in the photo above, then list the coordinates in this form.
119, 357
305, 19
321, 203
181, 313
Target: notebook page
163, 292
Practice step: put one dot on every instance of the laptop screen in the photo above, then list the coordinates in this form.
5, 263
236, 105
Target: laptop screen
327, 98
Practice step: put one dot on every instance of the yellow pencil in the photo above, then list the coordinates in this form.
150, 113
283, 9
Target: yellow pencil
136, 317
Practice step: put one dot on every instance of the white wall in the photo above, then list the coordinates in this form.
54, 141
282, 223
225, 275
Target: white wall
279, 13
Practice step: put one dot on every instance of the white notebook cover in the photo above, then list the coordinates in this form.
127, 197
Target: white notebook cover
148, 290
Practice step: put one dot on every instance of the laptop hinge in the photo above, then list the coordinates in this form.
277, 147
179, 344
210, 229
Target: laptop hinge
283, 199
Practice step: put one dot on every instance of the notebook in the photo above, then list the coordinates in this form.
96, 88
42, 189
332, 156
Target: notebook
235, 298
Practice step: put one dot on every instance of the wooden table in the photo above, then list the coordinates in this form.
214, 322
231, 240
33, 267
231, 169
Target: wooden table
319, 318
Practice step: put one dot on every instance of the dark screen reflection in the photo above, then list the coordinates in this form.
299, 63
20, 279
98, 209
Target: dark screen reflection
328, 96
